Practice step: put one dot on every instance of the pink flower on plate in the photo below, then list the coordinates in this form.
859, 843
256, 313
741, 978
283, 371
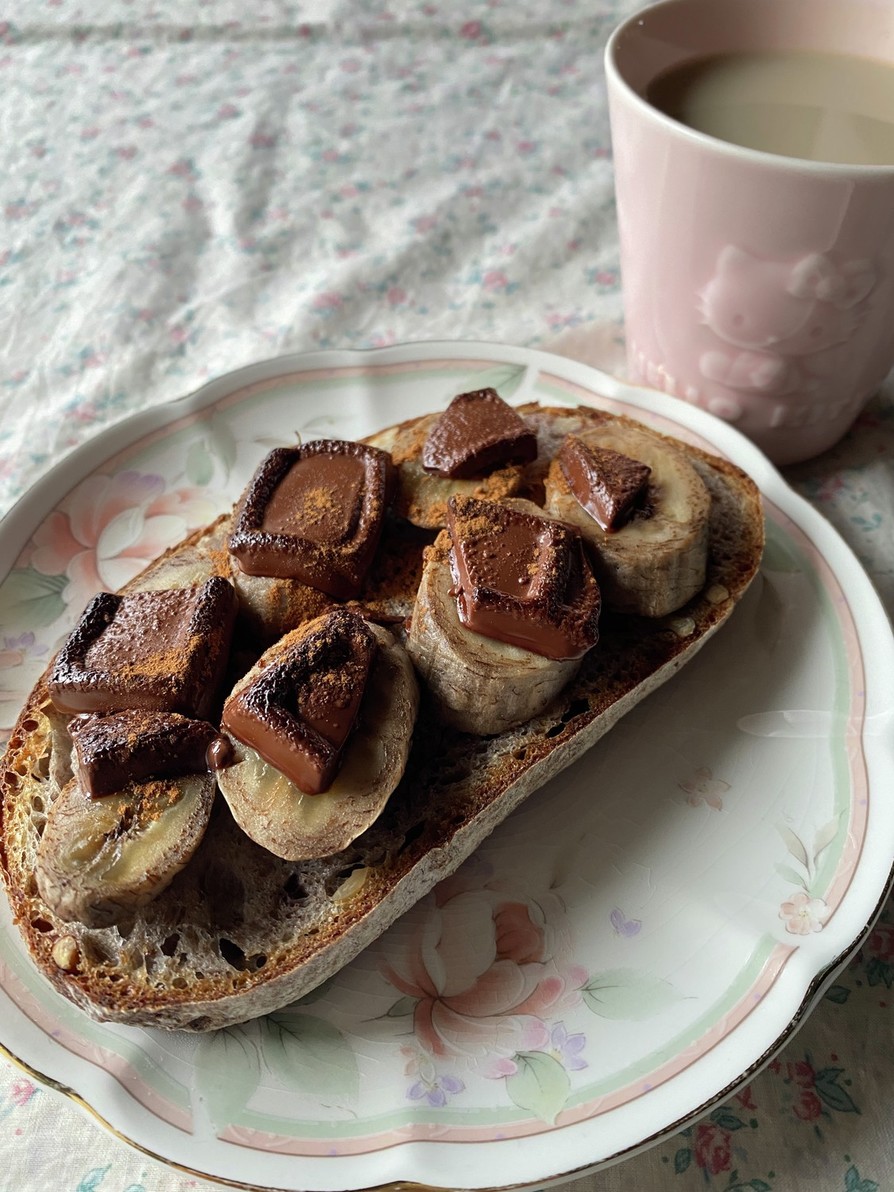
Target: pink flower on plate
703, 787
803, 914
109, 527
485, 969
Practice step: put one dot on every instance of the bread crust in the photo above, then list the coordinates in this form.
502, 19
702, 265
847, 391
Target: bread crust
239, 932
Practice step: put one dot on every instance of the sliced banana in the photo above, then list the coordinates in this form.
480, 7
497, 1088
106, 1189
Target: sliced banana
270, 606
277, 815
551, 424
188, 564
480, 685
421, 496
101, 859
657, 561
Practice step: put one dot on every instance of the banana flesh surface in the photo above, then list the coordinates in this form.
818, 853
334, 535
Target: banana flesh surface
102, 858
481, 685
270, 606
422, 496
657, 561
277, 815
189, 564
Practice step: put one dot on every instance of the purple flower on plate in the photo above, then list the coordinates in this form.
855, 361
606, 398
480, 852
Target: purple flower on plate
624, 926
23, 643
567, 1048
435, 1089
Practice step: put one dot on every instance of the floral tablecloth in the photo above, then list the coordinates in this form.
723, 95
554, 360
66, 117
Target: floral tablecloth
189, 187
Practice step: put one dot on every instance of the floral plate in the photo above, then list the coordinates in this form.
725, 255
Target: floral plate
634, 941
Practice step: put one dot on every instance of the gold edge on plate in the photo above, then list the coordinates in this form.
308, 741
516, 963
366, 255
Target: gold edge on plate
800, 1015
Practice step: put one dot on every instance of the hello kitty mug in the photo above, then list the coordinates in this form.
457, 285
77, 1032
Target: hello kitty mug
756, 285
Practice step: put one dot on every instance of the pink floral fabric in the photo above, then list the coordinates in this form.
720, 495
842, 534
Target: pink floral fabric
191, 187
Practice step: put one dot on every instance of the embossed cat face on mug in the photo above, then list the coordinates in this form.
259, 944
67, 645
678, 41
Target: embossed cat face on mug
792, 309
756, 285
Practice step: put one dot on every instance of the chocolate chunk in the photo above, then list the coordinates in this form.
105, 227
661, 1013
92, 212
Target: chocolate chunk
300, 711
315, 513
477, 433
521, 579
606, 483
125, 747
165, 651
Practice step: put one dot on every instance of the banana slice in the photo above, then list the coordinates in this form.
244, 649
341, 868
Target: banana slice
101, 859
657, 561
421, 496
189, 564
277, 815
552, 424
480, 685
270, 607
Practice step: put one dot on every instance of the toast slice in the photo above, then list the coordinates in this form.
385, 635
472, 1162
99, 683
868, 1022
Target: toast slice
239, 932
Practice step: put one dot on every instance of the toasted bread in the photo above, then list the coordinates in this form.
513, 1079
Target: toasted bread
239, 932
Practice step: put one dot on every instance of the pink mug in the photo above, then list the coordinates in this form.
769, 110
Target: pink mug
759, 287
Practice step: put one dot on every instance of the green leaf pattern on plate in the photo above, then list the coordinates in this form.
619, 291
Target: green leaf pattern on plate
540, 1084
227, 1072
302, 1052
309, 1054
31, 599
628, 994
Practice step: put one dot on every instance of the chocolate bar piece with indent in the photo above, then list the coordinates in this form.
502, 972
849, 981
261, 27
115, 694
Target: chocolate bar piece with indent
298, 714
122, 747
160, 650
606, 483
522, 579
314, 513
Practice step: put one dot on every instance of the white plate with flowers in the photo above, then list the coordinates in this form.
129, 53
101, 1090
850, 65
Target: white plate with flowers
630, 945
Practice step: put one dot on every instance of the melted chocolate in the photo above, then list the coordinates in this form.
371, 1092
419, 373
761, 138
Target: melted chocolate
314, 513
123, 747
477, 433
521, 579
300, 711
605, 483
219, 754
164, 651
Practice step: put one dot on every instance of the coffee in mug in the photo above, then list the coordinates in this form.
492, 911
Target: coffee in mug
799, 103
